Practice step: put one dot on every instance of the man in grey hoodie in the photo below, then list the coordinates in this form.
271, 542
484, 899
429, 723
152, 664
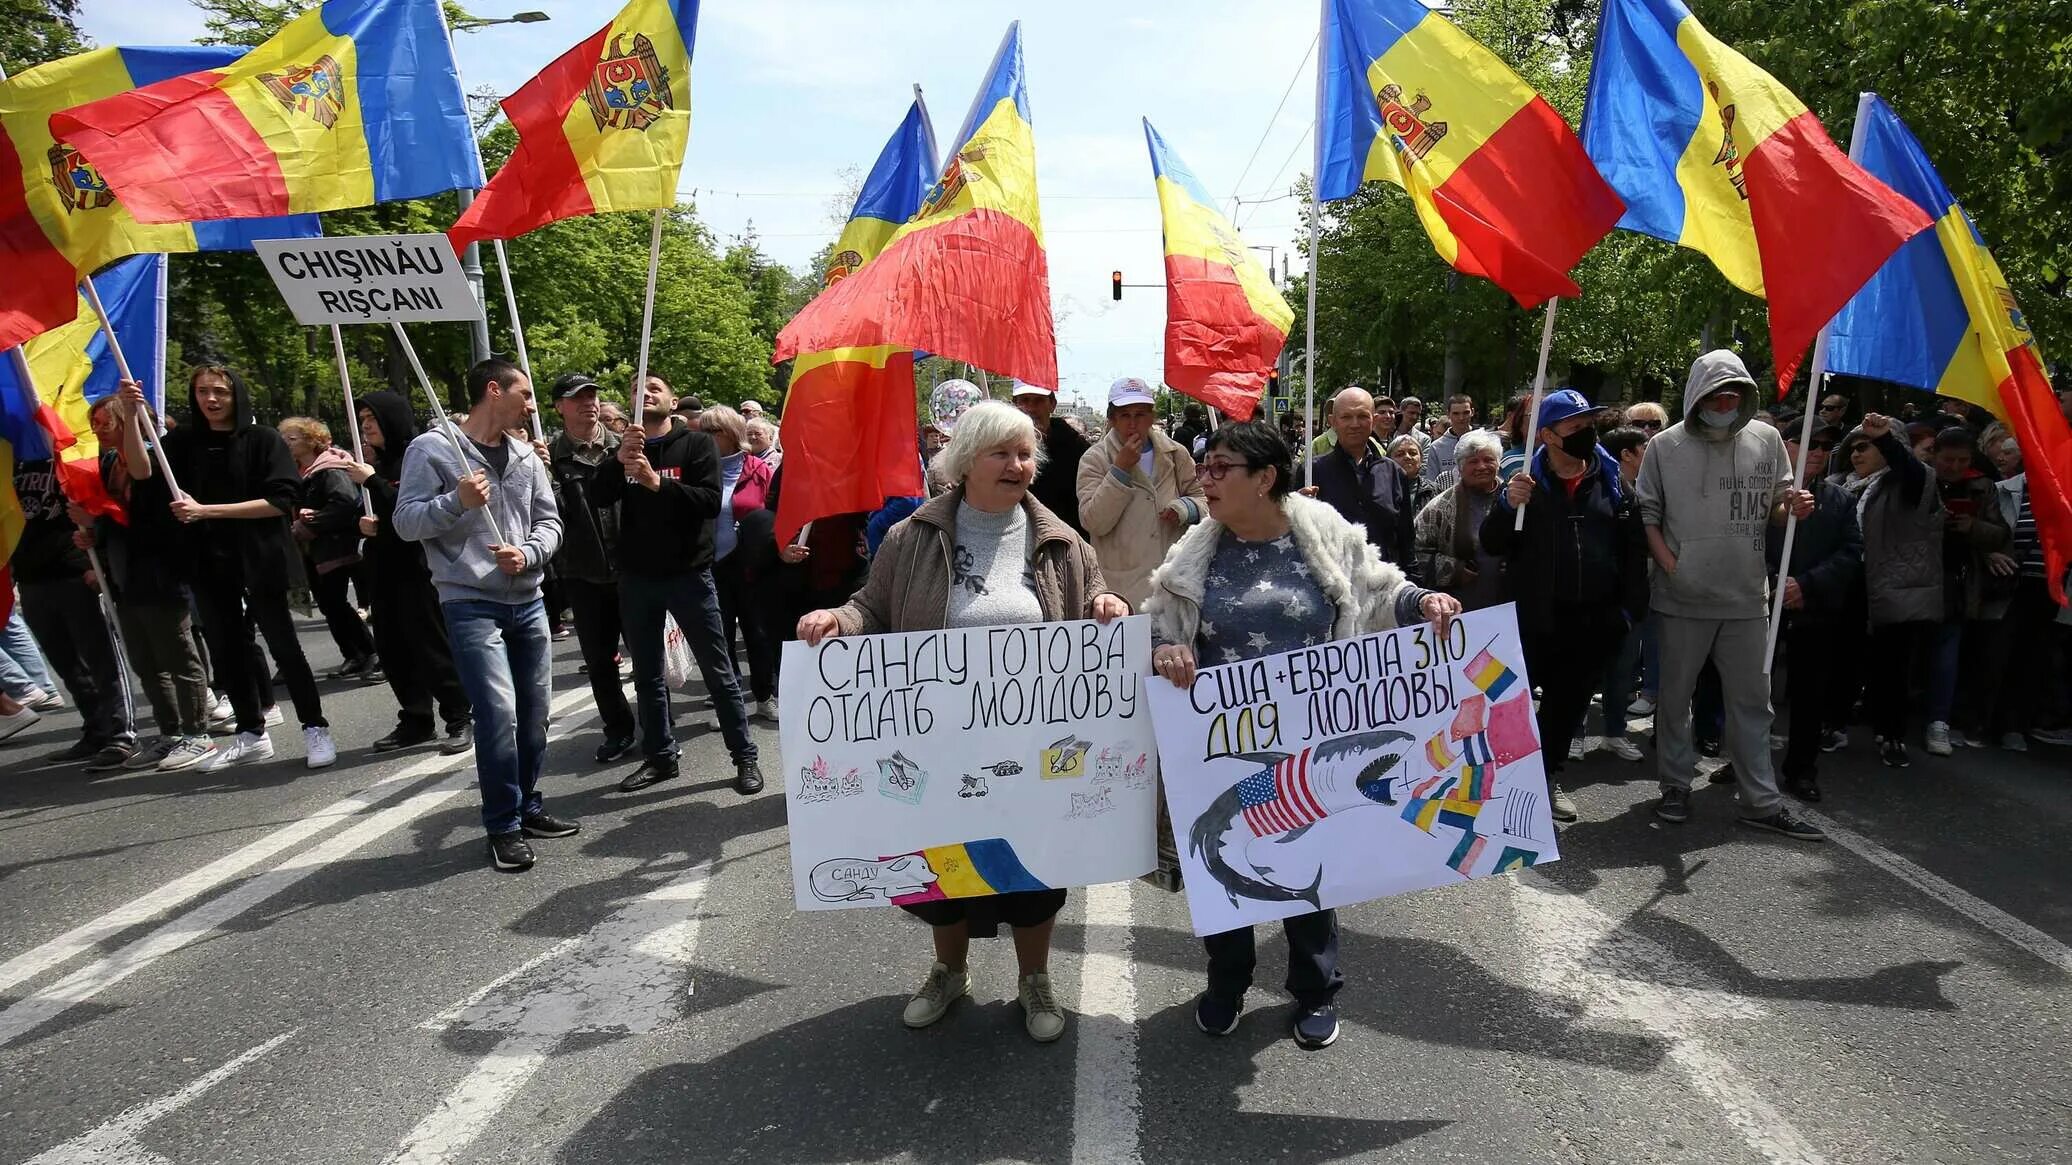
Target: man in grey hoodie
489, 593
1710, 487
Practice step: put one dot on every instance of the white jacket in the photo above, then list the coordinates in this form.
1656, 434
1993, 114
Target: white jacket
1123, 519
1347, 568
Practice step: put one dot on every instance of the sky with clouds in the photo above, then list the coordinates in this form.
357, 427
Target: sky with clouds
789, 95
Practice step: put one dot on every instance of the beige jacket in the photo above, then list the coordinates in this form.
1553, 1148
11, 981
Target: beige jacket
909, 584
1123, 519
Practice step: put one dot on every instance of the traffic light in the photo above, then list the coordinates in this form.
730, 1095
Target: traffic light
1115, 284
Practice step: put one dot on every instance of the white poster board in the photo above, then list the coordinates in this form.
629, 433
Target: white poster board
370, 279
1354, 770
958, 763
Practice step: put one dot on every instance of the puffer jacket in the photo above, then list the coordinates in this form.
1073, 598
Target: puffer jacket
1123, 511
1902, 520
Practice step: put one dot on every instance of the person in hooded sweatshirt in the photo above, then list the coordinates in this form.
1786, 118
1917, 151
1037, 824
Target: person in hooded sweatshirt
240, 486
1710, 487
409, 632
327, 525
488, 525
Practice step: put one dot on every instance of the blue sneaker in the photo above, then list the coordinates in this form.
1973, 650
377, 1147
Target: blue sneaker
1218, 1017
1316, 1027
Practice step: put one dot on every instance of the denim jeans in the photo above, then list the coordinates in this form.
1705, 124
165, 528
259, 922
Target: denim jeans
694, 602
503, 653
1945, 648
21, 661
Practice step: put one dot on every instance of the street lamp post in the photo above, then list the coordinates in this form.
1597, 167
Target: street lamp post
471, 256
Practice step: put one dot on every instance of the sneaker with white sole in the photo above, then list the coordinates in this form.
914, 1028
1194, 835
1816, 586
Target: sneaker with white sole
1578, 748
1041, 1015
941, 988
42, 701
2055, 737
1641, 707
274, 719
1937, 739
768, 709
186, 753
2014, 742
323, 753
1562, 805
21, 718
151, 752
1624, 749
245, 749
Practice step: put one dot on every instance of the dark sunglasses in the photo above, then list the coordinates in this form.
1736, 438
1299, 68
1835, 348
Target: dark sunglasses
1822, 446
1830, 408
1647, 424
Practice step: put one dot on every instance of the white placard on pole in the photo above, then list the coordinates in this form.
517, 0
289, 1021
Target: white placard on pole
370, 279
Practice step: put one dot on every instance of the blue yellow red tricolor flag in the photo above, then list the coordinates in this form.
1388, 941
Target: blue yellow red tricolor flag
1939, 316
1225, 320
1499, 180
58, 219
966, 278
1711, 153
352, 103
972, 869
849, 415
602, 128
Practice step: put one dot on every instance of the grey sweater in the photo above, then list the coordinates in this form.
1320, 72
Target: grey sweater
991, 584
456, 540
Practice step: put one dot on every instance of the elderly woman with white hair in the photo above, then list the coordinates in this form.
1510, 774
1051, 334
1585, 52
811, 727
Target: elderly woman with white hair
1449, 553
984, 554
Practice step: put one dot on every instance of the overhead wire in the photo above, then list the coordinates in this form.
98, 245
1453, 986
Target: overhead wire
1275, 119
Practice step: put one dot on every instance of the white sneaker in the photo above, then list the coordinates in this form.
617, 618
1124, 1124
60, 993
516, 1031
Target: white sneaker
1623, 748
768, 709
1938, 738
1580, 747
938, 991
187, 753
22, 718
273, 715
42, 701
1641, 707
1041, 1016
151, 752
322, 753
248, 748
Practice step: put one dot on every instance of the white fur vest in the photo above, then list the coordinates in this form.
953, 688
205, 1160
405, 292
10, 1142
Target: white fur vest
1348, 569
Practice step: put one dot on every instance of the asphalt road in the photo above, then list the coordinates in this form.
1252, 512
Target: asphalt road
276, 965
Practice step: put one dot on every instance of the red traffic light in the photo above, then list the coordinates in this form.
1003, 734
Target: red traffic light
1115, 283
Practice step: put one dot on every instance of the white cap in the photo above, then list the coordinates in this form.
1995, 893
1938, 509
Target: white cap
1022, 388
1129, 391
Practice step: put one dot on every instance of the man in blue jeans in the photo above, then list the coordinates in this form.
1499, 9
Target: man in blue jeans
489, 593
667, 483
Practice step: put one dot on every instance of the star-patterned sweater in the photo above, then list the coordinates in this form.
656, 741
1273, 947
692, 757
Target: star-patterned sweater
1260, 600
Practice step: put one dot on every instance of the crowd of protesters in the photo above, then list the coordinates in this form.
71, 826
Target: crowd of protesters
445, 561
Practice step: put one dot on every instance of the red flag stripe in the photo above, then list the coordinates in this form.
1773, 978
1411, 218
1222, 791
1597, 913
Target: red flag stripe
199, 148
542, 181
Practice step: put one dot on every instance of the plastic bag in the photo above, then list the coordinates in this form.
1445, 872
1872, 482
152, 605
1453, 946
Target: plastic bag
676, 654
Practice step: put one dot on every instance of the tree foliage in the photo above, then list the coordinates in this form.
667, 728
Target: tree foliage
34, 31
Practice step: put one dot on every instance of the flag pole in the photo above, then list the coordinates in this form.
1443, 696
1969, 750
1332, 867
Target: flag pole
647, 320
444, 422
1813, 393
503, 268
1316, 230
1539, 393
352, 412
122, 369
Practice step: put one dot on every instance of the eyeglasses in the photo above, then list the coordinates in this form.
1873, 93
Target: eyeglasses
1822, 446
1216, 470
1647, 424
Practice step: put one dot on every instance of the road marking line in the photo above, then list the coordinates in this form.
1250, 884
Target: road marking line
1977, 910
625, 975
80, 939
1582, 955
1105, 1100
115, 1143
44, 1005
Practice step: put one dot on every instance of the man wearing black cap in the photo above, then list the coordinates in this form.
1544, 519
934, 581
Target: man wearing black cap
1584, 552
589, 541
688, 409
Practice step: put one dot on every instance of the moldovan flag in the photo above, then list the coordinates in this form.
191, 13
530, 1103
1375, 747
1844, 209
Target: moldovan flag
1939, 316
966, 278
849, 418
1711, 153
1225, 320
1499, 181
602, 128
58, 219
352, 103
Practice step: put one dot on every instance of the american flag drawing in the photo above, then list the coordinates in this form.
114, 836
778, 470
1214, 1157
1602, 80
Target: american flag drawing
1279, 799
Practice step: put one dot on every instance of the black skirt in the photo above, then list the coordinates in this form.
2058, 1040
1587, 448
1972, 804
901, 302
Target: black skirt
986, 913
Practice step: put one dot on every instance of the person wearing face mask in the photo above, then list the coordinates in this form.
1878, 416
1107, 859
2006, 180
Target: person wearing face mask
1710, 486
1582, 550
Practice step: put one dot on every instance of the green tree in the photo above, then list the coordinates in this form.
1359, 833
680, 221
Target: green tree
35, 31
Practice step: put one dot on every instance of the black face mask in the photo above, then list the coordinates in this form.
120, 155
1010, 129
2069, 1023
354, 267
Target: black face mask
1579, 444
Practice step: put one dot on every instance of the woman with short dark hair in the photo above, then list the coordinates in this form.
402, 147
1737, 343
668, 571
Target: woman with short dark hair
1270, 571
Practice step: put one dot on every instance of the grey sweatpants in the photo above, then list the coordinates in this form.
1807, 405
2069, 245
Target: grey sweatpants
1736, 647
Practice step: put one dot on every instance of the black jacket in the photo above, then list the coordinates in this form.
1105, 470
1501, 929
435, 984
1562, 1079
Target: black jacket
1371, 494
1826, 554
667, 530
331, 536
247, 462
1057, 483
397, 563
45, 552
1589, 551
589, 528
147, 555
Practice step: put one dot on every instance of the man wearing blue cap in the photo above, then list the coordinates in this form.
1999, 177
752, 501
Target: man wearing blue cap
1580, 566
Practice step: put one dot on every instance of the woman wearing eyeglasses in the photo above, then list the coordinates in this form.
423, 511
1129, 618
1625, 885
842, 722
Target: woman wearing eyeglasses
1271, 571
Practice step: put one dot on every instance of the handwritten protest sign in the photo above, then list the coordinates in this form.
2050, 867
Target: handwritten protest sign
1354, 770
957, 763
